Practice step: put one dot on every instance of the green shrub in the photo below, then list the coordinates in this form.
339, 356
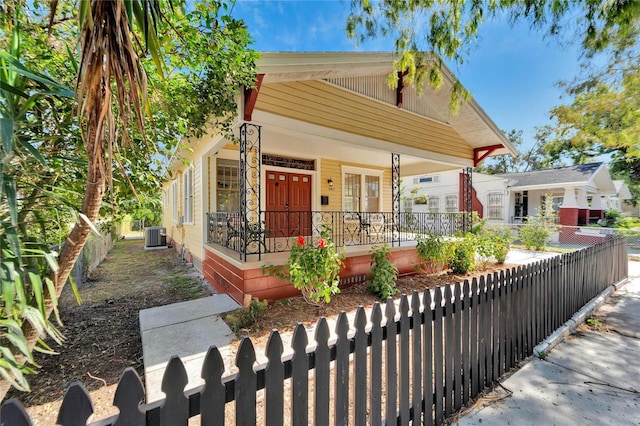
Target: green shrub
463, 255
383, 272
245, 317
536, 233
433, 251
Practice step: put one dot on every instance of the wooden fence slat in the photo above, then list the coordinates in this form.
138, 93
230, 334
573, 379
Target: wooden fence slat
360, 367
448, 352
129, 395
417, 396
474, 338
404, 399
391, 363
518, 311
466, 348
496, 314
507, 319
482, 334
322, 370
457, 347
427, 364
175, 409
342, 370
438, 357
300, 376
76, 406
13, 413
246, 384
505, 277
375, 417
212, 397
492, 355
274, 381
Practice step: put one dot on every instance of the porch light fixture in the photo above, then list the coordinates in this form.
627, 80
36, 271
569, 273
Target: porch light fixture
330, 182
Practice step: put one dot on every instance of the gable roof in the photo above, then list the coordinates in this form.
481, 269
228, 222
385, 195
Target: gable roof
365, 74
590, 176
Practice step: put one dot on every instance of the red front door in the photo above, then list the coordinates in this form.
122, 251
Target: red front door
288, 204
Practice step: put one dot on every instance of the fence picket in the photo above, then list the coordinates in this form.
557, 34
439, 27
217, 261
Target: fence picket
447, 322
427, 340
175, 410
274, 381
482, 334
342, 370
474, 322
375, 398
466, 377
404, 361
212, 397
76, 406
360, 367
495, 320
391, 363
438, 357
416, 357
322, 369
13, 413
457, 347
300, 376
245, 384
129, 395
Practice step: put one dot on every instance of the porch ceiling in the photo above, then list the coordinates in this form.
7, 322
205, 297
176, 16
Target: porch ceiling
303, 141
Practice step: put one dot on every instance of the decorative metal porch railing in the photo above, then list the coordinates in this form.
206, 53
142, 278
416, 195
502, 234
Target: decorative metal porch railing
276, 230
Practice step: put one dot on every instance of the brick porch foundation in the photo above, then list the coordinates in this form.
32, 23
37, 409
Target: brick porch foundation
227, 276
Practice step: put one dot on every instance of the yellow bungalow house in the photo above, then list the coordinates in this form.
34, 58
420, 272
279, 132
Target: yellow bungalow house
323, 141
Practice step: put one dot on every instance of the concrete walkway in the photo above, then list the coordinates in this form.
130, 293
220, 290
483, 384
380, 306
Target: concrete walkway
186, 329
591, 377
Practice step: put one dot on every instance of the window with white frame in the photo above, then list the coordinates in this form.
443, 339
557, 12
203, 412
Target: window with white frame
174, 200
495, 205
227, 186
361, 190
187, 195
451, 203
434, 204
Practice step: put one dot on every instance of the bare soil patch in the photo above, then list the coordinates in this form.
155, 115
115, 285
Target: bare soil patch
103, 334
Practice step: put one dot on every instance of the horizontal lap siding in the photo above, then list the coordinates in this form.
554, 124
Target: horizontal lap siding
329, 106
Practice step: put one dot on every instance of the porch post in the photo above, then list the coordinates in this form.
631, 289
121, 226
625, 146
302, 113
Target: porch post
395, 198
249, 176
467, 201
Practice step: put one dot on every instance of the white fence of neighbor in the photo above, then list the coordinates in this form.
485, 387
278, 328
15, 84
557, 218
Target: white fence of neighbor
577, 237
131, 229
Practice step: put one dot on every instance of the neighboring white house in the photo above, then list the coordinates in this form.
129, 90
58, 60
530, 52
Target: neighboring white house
586, 189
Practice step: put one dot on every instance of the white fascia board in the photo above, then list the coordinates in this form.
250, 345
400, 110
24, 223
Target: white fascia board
269, 119
563, 185
288, 62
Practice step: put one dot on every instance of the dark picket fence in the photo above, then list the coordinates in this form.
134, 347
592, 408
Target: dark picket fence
420, 364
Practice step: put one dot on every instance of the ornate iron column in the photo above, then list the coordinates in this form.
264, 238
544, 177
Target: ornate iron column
250, 160
467, 194
395, 198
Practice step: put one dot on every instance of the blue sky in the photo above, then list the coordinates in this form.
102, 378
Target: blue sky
512, 72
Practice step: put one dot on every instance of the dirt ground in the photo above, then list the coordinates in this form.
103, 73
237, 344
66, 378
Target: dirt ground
103, 334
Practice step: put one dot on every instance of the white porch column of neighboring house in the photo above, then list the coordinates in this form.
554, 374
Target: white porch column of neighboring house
597, 209
569, 209
583, 207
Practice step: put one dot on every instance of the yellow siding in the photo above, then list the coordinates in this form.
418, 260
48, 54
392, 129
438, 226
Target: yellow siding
325, 105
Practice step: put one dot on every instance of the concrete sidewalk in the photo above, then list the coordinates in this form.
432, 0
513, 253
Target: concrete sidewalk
591, 377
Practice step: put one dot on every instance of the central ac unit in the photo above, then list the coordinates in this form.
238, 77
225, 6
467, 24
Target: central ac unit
155, 236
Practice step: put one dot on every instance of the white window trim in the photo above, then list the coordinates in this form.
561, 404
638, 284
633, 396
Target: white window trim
187, 196
446, 207
489, 205
363, 172
174, 201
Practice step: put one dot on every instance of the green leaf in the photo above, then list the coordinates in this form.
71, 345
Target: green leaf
75, 291
6, 135
9, 185
9, 285
6, 368
34, 152
38, 293
9, 88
